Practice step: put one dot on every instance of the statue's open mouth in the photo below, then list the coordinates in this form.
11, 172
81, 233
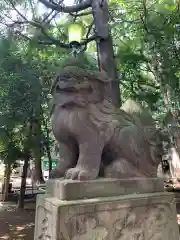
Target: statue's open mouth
69, 89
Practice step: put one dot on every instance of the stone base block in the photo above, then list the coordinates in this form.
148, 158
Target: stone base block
103, 187
142, 216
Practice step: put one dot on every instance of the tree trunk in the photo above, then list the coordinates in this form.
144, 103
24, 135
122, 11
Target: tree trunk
174, 131
6, 182
38, 169
23, 182
160, 75
174, 163
174, 128
37, 150
105, 47
49, 157
47, 145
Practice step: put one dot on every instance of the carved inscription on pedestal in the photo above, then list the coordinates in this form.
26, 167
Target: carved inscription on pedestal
149, 222
44, 228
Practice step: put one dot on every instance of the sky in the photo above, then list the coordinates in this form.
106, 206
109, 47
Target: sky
41, 8
66, 2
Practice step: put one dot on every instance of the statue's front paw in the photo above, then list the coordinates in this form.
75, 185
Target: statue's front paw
80, 174
56, 173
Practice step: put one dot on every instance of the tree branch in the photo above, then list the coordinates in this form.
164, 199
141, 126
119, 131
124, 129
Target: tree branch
89, 29
66, 45
42, 26
52, 41
81, 14
18, 12
50, 14
47, 16
66, 9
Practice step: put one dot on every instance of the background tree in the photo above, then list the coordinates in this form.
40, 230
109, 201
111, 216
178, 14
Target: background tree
148, 53
145, 52
42, 26
21, 101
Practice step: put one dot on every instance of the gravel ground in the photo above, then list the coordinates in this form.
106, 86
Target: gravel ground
15, 224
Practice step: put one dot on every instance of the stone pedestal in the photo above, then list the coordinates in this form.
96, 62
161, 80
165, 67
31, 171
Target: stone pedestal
107, 209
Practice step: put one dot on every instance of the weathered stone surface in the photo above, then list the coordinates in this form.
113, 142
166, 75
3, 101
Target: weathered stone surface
97, 139
74, 190
149, 216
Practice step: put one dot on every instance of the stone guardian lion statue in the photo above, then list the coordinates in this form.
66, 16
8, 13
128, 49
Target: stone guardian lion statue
95, 138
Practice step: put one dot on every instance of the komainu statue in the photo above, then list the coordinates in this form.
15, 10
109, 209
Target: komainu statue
96, 139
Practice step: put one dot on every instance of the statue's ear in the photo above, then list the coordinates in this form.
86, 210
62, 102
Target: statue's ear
104, 84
